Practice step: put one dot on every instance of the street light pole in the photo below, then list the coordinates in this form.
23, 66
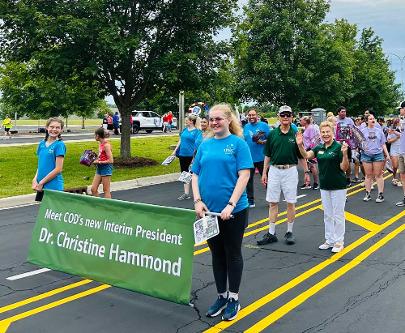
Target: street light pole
401, 61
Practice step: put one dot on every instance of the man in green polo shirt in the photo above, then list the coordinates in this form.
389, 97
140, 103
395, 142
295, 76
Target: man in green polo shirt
280, 174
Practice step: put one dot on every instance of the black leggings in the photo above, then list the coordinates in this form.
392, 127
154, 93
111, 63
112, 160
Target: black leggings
226, 250
185, 162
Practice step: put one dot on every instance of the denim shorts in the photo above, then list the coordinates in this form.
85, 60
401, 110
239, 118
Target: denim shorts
104, 169
372, 158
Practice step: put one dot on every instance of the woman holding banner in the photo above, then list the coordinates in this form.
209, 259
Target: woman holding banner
333, 161
221, 170
373, 157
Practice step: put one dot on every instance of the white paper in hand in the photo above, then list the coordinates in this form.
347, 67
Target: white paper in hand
205, 228
168, 160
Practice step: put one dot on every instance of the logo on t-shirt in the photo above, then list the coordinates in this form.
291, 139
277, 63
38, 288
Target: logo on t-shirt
229, 149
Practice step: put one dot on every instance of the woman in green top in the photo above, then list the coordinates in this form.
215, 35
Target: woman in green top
333, 163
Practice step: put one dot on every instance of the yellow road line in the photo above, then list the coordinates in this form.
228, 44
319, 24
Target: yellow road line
366, 224
44, 295
255, 231
302, 277
6, 322
251, 225
295, 302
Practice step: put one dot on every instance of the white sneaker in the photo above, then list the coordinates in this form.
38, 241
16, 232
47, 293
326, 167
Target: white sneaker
367, 197
325, 246
337, 247
184, 197
380, 198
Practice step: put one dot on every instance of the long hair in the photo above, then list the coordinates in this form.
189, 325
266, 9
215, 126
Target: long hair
234, 126
51, 120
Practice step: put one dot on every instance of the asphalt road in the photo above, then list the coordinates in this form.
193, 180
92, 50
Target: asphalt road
284, 288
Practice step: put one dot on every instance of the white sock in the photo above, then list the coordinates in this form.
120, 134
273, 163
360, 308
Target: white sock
234, 296
224, 295
290, 227
272, 228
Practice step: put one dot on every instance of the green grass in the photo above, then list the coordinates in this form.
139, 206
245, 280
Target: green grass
71, 122
18, 164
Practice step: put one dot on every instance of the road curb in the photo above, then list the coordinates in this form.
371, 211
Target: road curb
26, 199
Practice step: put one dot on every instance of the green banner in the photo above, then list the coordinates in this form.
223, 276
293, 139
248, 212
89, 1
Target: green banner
141, 247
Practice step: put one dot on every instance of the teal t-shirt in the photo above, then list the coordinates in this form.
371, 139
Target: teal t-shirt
217, 164
249, 130
47, 162
189, 140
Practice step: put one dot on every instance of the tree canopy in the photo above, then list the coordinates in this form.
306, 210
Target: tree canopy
286, 53
133, 49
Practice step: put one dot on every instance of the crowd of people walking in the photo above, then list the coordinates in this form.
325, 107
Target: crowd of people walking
227, 154
224, 154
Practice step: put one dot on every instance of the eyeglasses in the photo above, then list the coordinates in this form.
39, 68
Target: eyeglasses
285, 115
217, 119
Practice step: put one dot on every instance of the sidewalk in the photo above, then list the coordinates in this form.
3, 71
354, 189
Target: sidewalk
28, 199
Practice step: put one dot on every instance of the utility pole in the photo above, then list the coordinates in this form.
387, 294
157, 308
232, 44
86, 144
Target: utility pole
180, 124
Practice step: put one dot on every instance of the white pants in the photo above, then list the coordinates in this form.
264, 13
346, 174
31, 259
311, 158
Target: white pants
334, 215
285, 180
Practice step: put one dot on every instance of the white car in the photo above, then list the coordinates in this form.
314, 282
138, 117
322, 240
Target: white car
146, 120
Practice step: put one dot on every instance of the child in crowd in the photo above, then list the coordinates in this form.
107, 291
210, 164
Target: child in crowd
104, 164
51, 153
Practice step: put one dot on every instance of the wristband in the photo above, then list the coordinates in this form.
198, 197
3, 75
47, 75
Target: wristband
197, 200
230, 203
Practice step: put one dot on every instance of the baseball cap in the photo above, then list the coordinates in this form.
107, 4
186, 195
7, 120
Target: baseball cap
284, 108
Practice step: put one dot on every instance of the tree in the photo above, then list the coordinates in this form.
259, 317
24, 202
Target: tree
30, 93
373, 82
134, 49
285, 53
275, 46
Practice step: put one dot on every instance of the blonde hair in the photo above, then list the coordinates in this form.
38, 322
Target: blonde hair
234, 125
327, 124
195, 119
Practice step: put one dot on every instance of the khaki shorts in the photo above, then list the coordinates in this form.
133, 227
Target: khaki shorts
282, 180
401, 163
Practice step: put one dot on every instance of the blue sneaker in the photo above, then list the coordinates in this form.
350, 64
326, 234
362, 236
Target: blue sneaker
216, 308
232, 309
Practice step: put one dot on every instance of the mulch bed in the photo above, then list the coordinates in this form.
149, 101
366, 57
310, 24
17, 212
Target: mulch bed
133, 162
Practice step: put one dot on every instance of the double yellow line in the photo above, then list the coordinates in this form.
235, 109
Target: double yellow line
289, 306
5, 323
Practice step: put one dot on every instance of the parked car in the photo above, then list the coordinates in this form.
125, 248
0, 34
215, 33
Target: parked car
146, 120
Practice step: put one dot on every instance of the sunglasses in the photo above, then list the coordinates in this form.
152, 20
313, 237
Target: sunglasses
285, 115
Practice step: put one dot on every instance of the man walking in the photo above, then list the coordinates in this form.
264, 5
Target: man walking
255, 133
280, 174
343, 130
401, 157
